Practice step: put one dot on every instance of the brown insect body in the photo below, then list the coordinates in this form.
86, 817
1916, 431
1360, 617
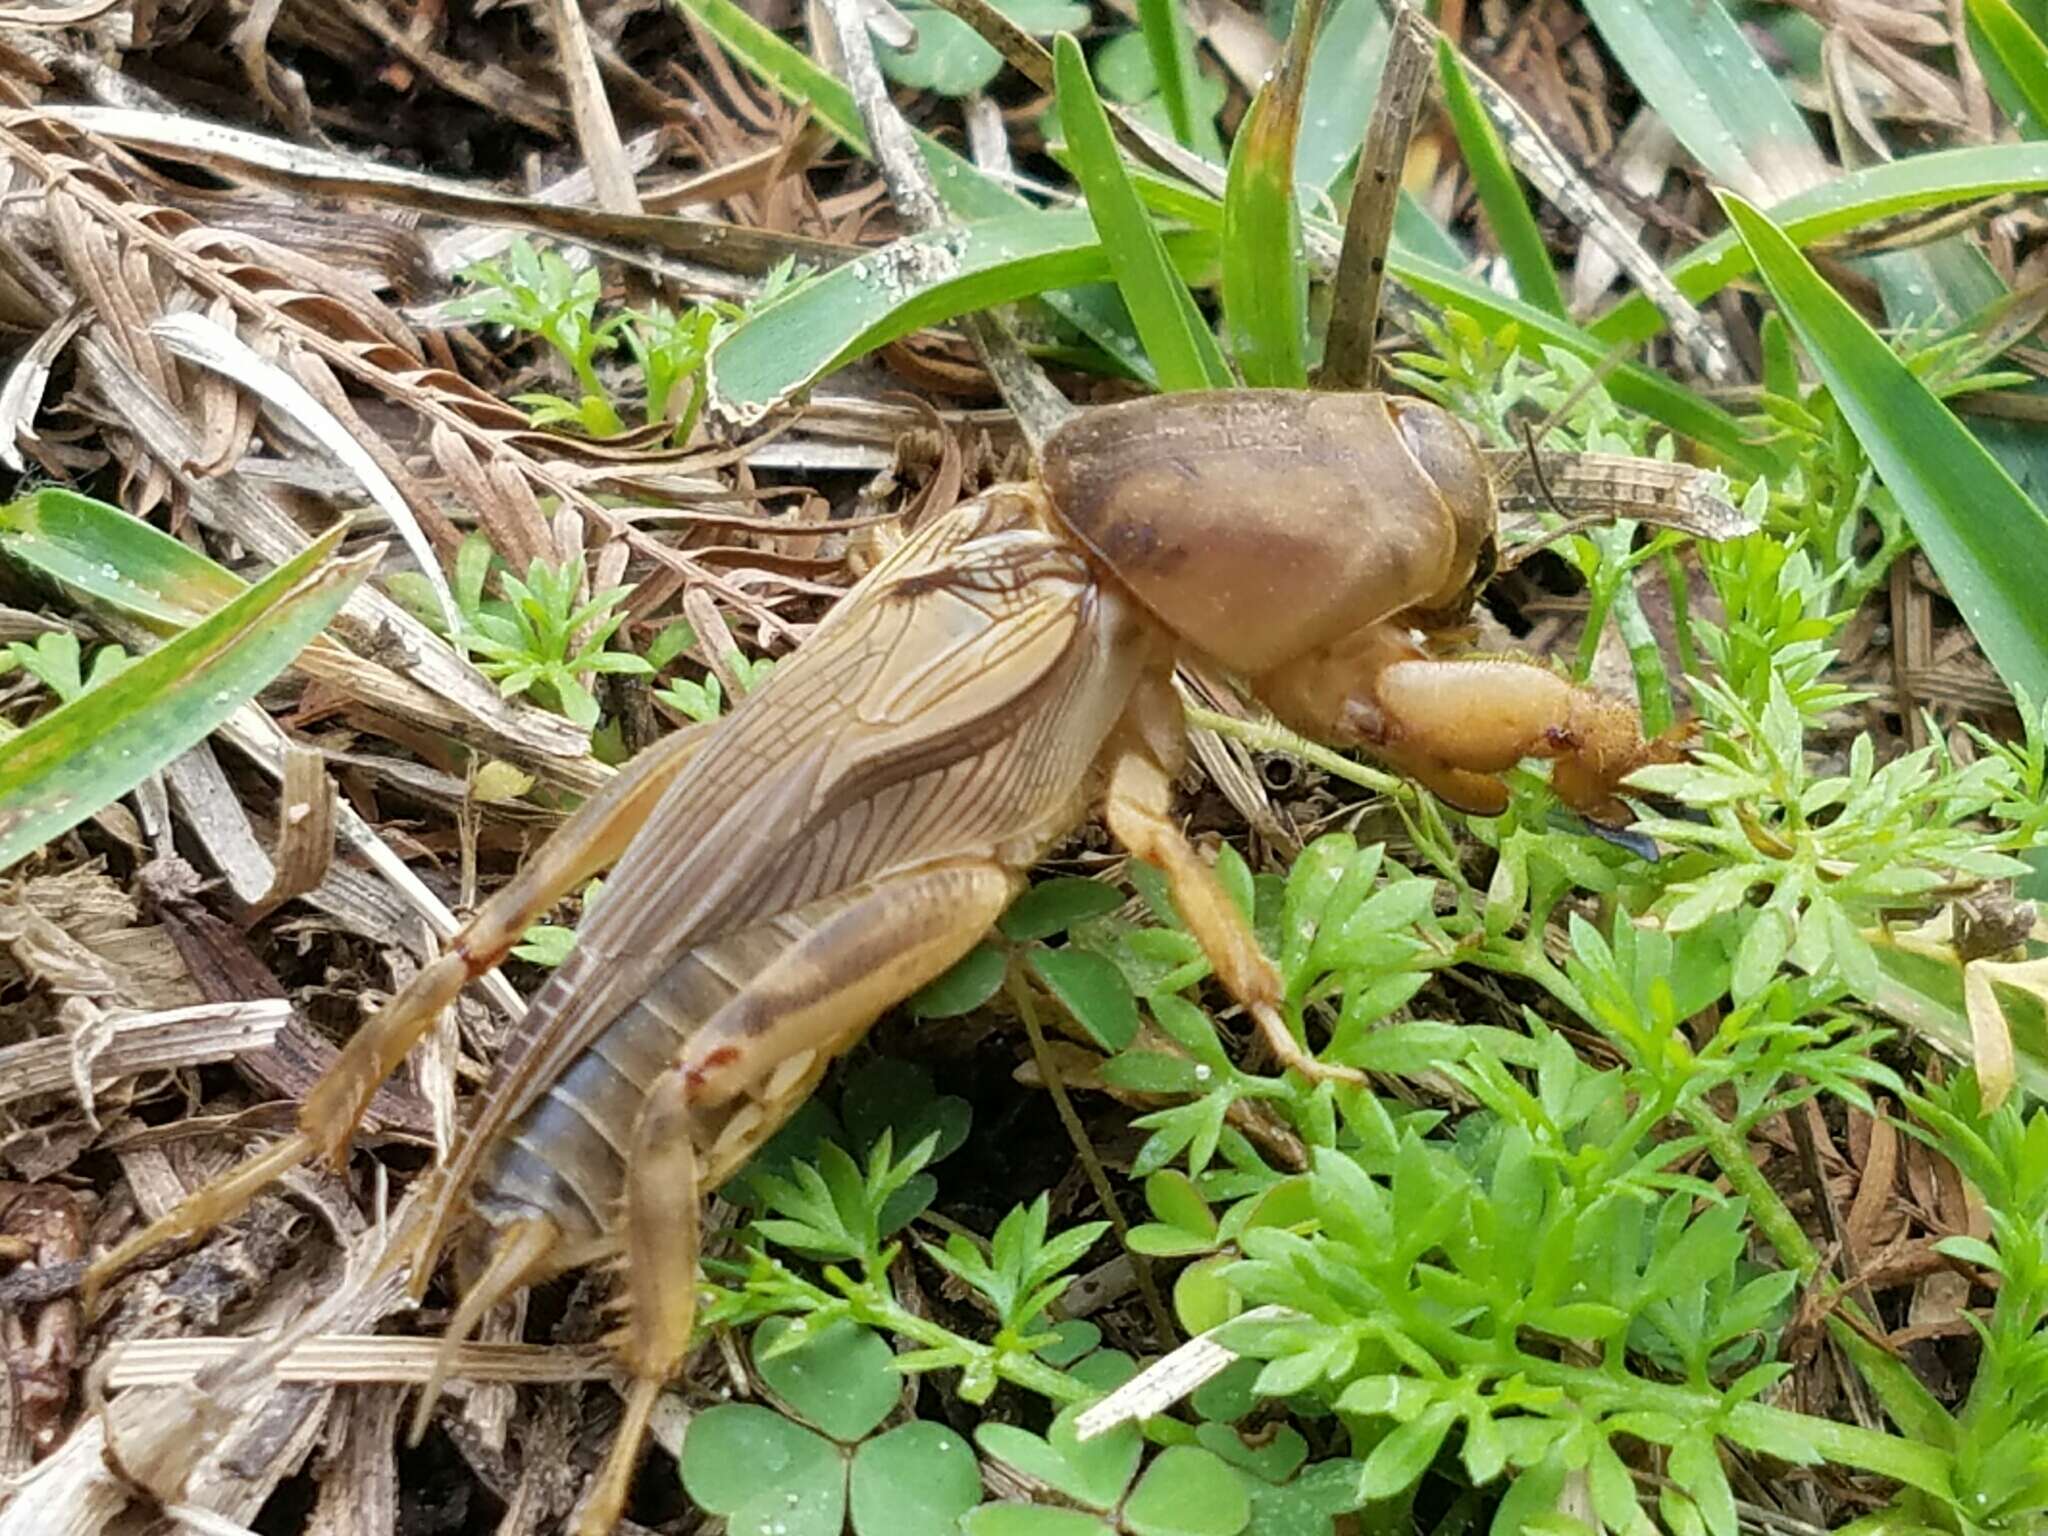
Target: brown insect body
1261, 526
782, 877
1015, 664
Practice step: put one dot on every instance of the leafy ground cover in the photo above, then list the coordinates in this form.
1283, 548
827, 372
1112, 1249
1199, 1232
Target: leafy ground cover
1699, 1182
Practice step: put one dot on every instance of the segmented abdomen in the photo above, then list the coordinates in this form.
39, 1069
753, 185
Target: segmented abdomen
566, 1156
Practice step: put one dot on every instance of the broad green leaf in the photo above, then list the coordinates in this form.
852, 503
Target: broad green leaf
1309, 1505
1500, 190
766, 1474
1698, 71
917, 1480
1839, 207
1030, 1455
1265, 281
1188, 1491
1986, 540
1124, 73
2017, 52
840, 1377
1405, 1454
953, 59
102, 553
1054, 906
1030, 1520
1271, 1454
900, 1097
1203, 1297
1172, 1197
1093, 990
1101, 1467
971, 982
1176, 337
79, 759
920, 280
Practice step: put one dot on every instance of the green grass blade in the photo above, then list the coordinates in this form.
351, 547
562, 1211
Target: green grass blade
1176, 338
1987, 541
1172, 48
1095, 312
1654, 395
100, 553
922, 280
1500, 190
1351, 49
1863, 198
79, 759
1265, 281
1697, 70
2017, 51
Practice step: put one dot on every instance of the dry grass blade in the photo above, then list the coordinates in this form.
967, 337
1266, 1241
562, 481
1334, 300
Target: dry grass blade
1348, 361
144, 1042
356, 1360
641, 239
1167, 1380
197, 339
596, 129
220, 1441
21, 395
55, 15
347, 341
372, 627
305, 826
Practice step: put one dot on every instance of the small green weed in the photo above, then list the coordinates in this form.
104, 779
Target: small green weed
56, 661
703, 699
537, 291
541, 637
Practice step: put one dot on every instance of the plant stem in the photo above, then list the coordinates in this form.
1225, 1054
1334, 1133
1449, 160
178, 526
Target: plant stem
874, 1306
1753, 1424
1766, 1208
1048, 1071
1271, 736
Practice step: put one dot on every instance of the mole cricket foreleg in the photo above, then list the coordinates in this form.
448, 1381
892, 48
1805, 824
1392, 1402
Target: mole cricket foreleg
1455, 724
765, 1049
588, 841
1482, 715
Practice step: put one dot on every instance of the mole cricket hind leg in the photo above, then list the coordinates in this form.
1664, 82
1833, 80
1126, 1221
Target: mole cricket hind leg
588, 841
740, 1076
1138, 808
1468, 718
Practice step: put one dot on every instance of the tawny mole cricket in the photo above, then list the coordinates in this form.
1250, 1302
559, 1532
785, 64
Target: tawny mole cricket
783, 876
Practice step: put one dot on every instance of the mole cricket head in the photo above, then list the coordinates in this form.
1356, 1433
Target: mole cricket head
1261, 526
